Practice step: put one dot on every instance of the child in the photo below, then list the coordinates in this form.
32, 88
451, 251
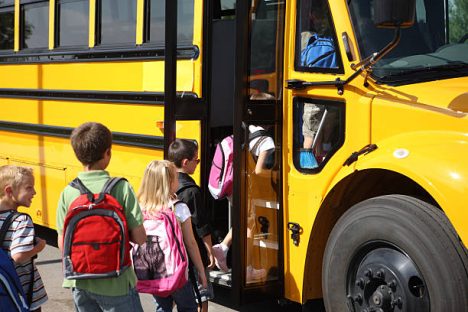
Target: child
92, 143
17, 189
184, 154
157, 192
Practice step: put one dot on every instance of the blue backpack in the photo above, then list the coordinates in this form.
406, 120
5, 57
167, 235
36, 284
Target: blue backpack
320, 52
12, 297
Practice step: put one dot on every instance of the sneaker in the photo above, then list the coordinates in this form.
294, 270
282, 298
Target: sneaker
220, 257
254, 275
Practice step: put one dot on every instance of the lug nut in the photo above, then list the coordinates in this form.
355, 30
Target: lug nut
358, 299
380, 274
368, 273
392, 284
359, 283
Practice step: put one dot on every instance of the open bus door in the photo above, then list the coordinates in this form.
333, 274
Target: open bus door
247, 55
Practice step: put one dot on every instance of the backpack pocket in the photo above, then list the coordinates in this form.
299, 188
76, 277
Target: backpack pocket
148, 260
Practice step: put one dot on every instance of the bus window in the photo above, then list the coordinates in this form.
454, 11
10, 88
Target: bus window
72, 22
7, 23
117, 22
318, 133
316, 43
155, 25
35, 25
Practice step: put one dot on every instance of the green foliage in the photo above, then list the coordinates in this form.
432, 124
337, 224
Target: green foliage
458, 19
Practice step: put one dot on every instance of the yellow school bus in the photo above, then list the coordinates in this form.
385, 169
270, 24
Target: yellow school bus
361, 202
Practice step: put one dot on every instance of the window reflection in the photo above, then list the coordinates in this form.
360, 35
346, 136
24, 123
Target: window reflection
118, 21
156, 28
35, 25
73, 21
7, 23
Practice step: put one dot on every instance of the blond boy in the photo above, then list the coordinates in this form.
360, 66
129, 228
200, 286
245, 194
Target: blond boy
16, 190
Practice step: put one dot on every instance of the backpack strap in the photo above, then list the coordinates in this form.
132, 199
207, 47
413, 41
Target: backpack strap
76, 183
107, 188
257, 134
6, 225
110, 184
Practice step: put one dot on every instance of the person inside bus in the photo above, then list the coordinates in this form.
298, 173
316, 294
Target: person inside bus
317, 45
261, 148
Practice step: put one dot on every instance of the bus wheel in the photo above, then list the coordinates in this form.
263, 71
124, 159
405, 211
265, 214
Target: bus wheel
395, 253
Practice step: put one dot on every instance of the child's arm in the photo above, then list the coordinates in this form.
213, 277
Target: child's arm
138, 235
24, 256
193, 251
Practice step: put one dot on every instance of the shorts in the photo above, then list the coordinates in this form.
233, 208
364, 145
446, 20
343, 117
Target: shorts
310, 119
86, 301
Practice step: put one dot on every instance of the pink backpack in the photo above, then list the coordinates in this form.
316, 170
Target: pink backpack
221, 173
161, 263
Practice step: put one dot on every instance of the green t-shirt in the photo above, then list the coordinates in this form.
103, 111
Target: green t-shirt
123, 192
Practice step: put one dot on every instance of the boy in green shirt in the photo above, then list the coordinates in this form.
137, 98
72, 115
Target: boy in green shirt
92, 143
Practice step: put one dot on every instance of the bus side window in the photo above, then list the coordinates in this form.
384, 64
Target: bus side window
117, 21
316, 43
35, 25
72, 22
318, 133
7, 24
155, 22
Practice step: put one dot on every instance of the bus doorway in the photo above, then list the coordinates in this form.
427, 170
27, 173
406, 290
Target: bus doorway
246, 101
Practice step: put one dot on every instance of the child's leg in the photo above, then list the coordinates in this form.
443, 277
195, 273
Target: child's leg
185, 299
164, 304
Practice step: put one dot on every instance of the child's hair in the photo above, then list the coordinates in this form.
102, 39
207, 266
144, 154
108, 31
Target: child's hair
90, 141
155, 190
182, 149
14, 176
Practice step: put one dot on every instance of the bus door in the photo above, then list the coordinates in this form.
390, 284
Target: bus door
257, 133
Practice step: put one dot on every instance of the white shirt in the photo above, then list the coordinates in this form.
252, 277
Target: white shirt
266, 144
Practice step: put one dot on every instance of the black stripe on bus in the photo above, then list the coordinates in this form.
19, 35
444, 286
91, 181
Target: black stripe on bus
95, 55
121, 138
151, 98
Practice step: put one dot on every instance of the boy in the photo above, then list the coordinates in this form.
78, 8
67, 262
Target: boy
17, 189
92, 143
184, 154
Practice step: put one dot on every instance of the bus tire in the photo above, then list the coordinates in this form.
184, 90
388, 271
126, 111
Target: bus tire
395, 253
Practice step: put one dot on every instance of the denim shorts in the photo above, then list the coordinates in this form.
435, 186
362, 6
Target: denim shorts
183, 298
86, 301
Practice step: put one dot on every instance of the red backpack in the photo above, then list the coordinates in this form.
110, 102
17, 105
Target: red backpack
95, 239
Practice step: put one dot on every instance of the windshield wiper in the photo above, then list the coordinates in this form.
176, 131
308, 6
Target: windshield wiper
428, 69
415, 74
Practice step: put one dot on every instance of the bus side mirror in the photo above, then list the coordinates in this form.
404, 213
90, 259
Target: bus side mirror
394, 13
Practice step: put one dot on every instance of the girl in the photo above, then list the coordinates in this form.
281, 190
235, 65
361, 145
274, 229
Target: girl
157, 192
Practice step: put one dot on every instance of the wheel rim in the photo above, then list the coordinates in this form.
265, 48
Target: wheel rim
382, 278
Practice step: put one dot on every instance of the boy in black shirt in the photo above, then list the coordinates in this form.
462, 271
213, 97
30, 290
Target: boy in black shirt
184, 154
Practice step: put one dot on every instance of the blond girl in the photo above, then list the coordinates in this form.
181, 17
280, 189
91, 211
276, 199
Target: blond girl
157, 192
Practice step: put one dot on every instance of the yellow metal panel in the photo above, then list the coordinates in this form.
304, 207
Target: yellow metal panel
134, 118
55, 165
434, 160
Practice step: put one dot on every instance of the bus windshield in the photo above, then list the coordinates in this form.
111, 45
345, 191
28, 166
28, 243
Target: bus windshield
435, 47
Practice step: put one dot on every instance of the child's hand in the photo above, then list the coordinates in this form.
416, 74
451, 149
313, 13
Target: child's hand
202, 279
40, 244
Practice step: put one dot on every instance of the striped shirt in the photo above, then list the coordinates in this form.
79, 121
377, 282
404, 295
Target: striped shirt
20, 238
